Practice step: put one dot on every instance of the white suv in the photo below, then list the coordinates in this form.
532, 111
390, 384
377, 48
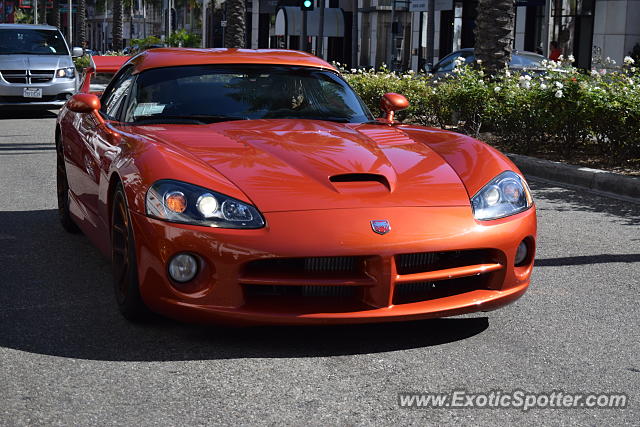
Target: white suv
36, 69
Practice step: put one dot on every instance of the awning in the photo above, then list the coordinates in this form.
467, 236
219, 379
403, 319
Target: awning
289, 22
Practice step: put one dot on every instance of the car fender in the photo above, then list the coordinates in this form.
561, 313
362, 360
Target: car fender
141, 162
475, 162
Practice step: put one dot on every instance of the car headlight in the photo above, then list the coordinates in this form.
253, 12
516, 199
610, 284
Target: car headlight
68, 73
177, 201
507, 194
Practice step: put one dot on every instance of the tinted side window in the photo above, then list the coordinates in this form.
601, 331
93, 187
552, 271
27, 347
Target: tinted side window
116, 93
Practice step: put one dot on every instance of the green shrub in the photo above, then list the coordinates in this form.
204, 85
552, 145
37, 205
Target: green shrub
561, 109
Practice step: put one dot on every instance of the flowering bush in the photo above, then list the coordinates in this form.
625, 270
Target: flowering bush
561, 108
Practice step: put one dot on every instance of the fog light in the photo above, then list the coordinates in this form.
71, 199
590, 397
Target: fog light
183, 268
521, 253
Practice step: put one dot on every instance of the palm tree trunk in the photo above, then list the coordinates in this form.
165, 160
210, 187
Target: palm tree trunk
494, 34
235, 30
117, 25
55, 14
82, 23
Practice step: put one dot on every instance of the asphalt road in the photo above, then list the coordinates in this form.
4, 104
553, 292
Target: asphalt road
68, 358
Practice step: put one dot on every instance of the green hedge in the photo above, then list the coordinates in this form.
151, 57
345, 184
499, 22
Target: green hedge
561, 109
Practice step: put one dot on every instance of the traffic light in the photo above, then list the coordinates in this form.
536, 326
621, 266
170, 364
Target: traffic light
174, 19
306, 5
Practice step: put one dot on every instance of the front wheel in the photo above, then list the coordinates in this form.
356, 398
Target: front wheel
123, 256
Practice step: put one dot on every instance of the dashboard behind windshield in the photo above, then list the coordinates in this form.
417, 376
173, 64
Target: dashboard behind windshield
216, 93
16, 41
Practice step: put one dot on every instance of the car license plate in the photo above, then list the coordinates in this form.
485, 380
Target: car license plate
32, 92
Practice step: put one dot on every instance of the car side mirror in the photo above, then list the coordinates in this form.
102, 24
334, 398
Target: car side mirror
77, 52
392, 102
84, 103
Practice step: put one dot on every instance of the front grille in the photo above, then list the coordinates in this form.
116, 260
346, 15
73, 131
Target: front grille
406, 293
305, 266
431, 261
300, 291
27, 76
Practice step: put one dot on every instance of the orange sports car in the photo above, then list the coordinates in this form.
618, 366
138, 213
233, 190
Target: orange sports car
254, 186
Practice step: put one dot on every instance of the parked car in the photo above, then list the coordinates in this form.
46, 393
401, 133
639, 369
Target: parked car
36, 69
528, 62
255, 186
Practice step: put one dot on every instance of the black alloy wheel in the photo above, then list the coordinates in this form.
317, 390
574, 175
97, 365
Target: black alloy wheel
123, 258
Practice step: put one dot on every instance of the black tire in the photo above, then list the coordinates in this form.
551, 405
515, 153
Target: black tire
62, 189
123, 259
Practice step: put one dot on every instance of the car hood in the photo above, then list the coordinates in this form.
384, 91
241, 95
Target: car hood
34, 62
284, 165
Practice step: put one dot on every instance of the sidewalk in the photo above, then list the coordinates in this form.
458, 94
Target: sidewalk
602, 182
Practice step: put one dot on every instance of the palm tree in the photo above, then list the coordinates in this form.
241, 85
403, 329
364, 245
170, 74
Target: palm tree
494, 33
234, 35
117, 25
55, 14
82, 23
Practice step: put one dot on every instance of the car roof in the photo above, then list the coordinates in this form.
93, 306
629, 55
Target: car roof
169, 57
27, 27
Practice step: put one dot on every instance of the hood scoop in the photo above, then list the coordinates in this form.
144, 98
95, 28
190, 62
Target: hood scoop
349, 183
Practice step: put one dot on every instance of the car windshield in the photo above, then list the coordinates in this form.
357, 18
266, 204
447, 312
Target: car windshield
31, 42
526, 61
206, 93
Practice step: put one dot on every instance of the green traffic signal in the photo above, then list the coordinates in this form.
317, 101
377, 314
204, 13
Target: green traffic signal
306, 5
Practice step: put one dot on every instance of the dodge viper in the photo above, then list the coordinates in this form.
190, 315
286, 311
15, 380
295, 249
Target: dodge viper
254, 186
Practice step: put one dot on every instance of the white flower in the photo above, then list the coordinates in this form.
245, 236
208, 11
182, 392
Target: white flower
497, 89
561, 58
571, 59
479, 61
628, 60
411, 72
559, 85
406, 76
525, 84
594, 73
353, 70
527, 77
507, 73
543, 86
558, 94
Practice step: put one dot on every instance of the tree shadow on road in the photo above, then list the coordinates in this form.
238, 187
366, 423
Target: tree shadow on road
56, 299
26, 114
587, 259
627, 213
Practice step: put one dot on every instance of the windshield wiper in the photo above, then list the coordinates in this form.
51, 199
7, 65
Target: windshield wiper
198, 119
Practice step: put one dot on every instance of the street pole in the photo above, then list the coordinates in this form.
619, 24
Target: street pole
430, 31
320, 41
391, 39
104, 26
354, 36
70, 24
204, 23
35, 12
304, 31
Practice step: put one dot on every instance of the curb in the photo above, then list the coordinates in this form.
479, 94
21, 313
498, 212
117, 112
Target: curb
602, 182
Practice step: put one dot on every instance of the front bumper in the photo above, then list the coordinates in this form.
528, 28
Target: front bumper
54, 94
224, 289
